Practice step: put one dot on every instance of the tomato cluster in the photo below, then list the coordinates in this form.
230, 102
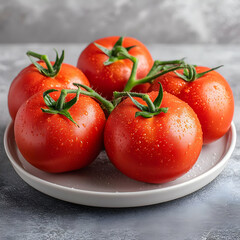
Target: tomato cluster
152, 117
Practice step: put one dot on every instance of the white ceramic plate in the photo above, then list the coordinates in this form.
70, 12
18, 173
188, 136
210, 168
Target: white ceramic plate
100, 184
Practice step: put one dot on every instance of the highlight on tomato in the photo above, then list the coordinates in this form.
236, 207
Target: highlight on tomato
207, 92
59, 130
154, 137
42, 75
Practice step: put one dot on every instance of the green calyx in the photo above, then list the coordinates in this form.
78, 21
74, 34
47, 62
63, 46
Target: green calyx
152, 108
60, 106
118, 52
190, 74
51, 70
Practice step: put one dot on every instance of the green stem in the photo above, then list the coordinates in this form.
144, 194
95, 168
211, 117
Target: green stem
42, 57
33, 54
125, 94
149, 79
150, 104
48, 63
158, 65
91, 93
170, 62
131, 81
122, 52
51, 70
61, 100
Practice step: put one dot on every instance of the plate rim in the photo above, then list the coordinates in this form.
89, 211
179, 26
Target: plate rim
220, 165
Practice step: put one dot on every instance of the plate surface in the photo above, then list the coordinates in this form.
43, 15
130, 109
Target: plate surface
100, 184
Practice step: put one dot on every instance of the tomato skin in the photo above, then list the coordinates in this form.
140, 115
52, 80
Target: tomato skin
210, 96
154, 150
30, 81
107, 79
53, 143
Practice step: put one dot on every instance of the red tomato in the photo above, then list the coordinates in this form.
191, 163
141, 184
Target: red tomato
210, 96
51, 142
157, 149
30, 81
113, 77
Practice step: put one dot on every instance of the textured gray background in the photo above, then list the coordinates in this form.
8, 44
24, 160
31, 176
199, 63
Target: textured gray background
151, 21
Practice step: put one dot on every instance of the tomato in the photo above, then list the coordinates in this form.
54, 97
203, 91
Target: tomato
210, 96
30, 81
157, 149
106, 79
53, 143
